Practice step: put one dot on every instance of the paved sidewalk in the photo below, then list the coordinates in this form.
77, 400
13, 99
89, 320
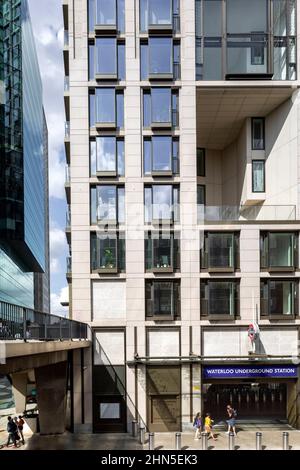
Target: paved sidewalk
245, 440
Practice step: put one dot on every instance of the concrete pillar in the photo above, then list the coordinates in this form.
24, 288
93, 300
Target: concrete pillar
77, 390
51, 384
19, 387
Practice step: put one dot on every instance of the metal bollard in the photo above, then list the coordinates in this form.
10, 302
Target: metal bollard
258, 441
178, 441
142, 435
204, 441
285, 441
134, 428
231, 444
151, 440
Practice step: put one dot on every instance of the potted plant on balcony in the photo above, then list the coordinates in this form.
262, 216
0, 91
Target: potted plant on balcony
109, 258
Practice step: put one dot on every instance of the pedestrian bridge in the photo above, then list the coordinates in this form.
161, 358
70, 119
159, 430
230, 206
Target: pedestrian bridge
39, 347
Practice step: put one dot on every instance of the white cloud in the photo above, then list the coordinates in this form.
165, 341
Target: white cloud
57, 249
56, 299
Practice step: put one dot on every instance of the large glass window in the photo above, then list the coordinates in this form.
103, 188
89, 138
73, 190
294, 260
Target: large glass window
106, 14
161, 156
107, 156
160, 107
160, 56
107, 59
219, 298
258, 133
279, 250
162, 299
107, 204
200, 162
162, 252
159, 13
247, 47
107, 108
258, 176
161, 203
107, 252
279, 297
220, 251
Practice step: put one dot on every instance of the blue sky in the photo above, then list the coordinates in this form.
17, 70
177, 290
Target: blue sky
47, 23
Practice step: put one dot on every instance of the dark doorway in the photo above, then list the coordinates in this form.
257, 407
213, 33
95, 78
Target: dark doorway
251, 400
163, 399
109, 414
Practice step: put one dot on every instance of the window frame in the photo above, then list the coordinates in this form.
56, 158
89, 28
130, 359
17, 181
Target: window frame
204, 300
265, 252
265, 301
175, 315
263, 123
105, 125
166, 222
109, 222
205, 252
99, 28
201, 167
150, 239
96, 239
264, 175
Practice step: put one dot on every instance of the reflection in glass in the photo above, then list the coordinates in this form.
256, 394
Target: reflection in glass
107, 203
281, 301
281, 249
221, 250
106, 154
161, 105
106, 12
106, 56
221, 298
162, 202
160, 55
160, 12
162, 153
162, 253
105, 105
258, 176
258, 134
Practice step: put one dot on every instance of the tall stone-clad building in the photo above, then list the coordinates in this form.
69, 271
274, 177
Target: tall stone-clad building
24, 237
183, 151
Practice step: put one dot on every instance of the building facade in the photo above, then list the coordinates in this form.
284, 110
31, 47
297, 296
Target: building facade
24, 234
182, 145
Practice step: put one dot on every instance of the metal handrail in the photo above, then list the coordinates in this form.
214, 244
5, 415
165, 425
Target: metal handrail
21, 323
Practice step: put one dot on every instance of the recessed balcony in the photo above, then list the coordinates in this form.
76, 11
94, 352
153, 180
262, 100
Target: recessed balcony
265, 213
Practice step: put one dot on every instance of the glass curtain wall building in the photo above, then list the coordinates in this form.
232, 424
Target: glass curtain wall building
23, 162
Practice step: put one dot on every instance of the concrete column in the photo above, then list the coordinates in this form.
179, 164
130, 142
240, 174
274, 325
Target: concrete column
77, 389
19, 386
51, 384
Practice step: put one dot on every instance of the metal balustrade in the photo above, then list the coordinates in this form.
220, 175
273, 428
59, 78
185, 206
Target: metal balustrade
19, 323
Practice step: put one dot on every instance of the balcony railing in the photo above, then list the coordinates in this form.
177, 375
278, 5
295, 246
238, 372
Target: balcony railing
68, 218
67, 129
19, 323
67, 83
66, 38
246, 213
69, 265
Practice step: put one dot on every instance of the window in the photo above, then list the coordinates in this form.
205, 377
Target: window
160, 59
161, 204
279, 251
200, 162
107, 252
279, 298
160, 107
162, 252
159, 14
161, 156
107, 205
258, 176
107, 156
162, 299
107, 108
220, 251
258, 134
201, 194
106, 15
220, 298
107, 59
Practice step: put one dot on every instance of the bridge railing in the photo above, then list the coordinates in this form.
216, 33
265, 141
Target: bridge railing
19, 323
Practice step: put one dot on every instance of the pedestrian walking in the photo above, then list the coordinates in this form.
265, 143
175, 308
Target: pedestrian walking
232, 414
12, 431
197, 426
20, 424
208, 422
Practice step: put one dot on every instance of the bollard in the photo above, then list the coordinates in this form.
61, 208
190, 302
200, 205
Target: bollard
258, 441
231, 445
142, 435
178, 441
134, 428
285, 441
151, 440
204, 441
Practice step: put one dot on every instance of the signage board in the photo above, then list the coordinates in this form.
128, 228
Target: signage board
250, 371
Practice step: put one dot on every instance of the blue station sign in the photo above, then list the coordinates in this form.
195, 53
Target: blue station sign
250, 371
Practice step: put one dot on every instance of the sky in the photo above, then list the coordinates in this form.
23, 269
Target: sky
47, 23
